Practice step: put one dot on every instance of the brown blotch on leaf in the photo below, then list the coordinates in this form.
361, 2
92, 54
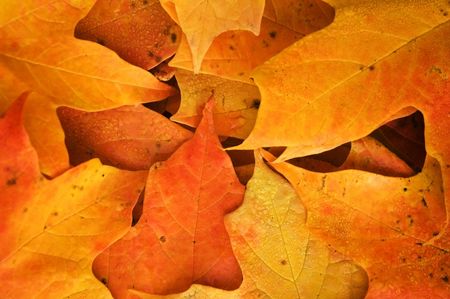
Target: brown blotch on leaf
256, 103
424, 202
273, 34
11, 182
371, 68
150, 54
173, 37
435, 234
445, 278
231, 48
25, 210
283, 262
162, 239
55, 213
405, 189
104, 280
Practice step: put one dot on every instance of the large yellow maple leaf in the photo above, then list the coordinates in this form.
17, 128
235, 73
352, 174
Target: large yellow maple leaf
51, 231
341, 83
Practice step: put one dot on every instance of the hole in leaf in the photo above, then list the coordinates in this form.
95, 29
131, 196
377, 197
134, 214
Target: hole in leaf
137, 210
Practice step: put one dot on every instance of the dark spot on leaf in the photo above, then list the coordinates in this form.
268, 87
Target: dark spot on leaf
431, 275
231, 48
11, 182
435, 234
162, 239
445, 278
403, 260
241, 74
283, 262
150, 54
55, 213
361, 68
371, 68
419, 243
25, 210
193, 242
103, 175
173, 37
265, 43
405, 189
424, 202
104, 280
45, 226
273, 34
256, 103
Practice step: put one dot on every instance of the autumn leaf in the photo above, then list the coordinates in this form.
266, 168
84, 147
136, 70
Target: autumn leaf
66, 71
141, 32
235, 109
339, 84
234, 54
202, 21
128, 137
278, 255
364, 154
52, 230
380, 221
180, 238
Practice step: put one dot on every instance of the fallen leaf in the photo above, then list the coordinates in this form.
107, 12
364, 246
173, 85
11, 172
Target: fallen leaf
236, 103
385, 224
235, 54
364, 154
180, 238
278, 255
202, 21
129, 137
66, 71
342, 82
52, 230
141, 32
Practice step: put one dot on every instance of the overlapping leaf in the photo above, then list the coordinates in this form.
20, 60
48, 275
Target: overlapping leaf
180, 238
235, 54
129, 137
202, 21
380, 221
52, 230
236, 108
141, 32
278, 255
65, 70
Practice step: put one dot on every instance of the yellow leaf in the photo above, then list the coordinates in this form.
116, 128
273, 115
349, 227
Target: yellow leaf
202, 21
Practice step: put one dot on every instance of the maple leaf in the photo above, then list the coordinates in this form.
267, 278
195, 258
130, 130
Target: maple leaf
236, 107
66, 71
129, 137
278, 255
140, 32
381, 221
52, 230
180, 238
202, 21
402, 57
235, 54
364, 154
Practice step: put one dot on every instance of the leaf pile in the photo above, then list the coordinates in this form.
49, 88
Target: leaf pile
225, 149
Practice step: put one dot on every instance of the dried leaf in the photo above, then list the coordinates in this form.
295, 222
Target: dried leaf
129, 137
180, 238
202, 21
54, 229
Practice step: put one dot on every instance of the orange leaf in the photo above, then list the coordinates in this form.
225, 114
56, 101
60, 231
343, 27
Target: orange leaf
52, 230
236, 107
141, 32
180, 238
129, 137
64, 70
342, 82
278, 255
202, 21
235, 54
385, 224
